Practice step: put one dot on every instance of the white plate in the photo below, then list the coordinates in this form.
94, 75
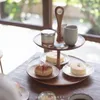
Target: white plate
31, 72
66, 59
22, 91
67, 70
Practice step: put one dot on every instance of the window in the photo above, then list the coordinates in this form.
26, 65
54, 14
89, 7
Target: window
26, 13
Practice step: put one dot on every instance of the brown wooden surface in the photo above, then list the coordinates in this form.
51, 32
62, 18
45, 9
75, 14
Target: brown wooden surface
21, 24
61, 79
90, 86
59, 17
58, 59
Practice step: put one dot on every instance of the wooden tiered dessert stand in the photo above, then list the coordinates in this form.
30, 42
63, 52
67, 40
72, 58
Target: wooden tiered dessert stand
61, 79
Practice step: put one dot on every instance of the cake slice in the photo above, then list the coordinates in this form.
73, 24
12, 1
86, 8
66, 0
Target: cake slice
51, 57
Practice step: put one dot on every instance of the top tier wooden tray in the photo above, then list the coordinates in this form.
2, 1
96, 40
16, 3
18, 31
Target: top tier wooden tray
80, 42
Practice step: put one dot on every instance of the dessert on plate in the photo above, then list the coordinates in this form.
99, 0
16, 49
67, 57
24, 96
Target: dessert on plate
43, 69
47, 95
51, 57
78, 68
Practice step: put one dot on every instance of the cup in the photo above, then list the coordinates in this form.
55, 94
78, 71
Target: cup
62, 29
48, 37
80, 96
70, 34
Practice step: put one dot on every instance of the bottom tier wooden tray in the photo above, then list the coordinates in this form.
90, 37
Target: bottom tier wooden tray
63, 79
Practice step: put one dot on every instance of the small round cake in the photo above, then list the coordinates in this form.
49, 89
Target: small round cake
51, 57
78, 69
43, 70
47, 95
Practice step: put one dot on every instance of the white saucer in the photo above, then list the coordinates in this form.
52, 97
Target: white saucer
66, 59
67, 70
31, 72
24, 94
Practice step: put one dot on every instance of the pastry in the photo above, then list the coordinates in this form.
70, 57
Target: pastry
47, 95
51, 57
78, 68
43, 70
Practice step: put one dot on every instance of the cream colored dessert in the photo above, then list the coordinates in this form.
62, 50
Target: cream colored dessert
47, 97
51, 57
43, 70
78, 68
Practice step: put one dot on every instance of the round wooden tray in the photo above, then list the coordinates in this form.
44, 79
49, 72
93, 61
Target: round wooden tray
80, 42
63, 79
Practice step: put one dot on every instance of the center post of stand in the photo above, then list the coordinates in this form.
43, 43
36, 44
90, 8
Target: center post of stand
58, 59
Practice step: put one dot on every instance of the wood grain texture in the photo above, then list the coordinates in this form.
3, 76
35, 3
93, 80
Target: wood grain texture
59, 17
90, 86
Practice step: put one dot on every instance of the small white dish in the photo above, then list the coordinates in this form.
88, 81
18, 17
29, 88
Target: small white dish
47, 95
31, 72
67, 70
80, 96
66, 58
24, 94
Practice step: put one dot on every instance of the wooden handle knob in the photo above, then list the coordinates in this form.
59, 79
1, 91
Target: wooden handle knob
59, 11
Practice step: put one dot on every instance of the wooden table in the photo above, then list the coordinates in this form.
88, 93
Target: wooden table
90, 86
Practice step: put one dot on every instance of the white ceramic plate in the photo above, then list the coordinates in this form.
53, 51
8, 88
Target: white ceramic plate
22, 91
31, 72
67, 70
66, 59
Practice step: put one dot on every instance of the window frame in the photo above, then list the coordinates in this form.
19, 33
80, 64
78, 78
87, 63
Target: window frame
47, 17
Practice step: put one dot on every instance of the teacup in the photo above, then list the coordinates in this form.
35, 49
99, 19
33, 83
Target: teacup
70, 34
62, 28
80, 96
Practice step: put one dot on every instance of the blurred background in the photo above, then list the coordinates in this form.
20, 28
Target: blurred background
83, 13
21, 20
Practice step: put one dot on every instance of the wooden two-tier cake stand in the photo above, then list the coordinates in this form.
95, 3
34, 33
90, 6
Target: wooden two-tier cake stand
62, 79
